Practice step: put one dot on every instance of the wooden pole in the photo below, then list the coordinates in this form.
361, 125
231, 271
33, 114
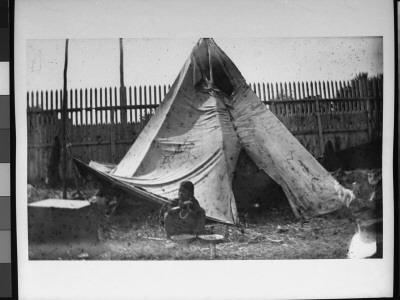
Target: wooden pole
122, 89
112, 123
64, 125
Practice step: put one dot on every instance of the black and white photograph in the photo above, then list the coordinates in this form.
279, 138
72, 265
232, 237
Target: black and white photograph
289, 169
203, 150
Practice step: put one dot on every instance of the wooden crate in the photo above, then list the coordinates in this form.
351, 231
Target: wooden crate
60, 220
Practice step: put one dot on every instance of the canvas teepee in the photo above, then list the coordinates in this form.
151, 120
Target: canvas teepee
209, 115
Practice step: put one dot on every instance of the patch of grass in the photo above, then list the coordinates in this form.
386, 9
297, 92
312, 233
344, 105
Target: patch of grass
142, 239
133, 233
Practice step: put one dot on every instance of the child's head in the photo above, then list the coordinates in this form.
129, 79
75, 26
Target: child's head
186, 190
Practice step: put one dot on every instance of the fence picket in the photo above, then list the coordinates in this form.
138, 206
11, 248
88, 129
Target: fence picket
90, 106
302, 93
140, 103
364, 88
312, 92
106, 104
41, 100
145, 101
280, 90
360, 88
160, 96
96, 105
294, 91
130, 103
70, 127
336, 89
286, 94
136, 101
115, 107
357, 88
117, 128
78, 103
353, 88
29, 99
309, 90
55, 100
35, 100
346, 95
317, 90
322, 89
46, 103
85, 105
69, 105
369, 88
264, 95
328, 90
344, 89
362, 103
380, 88
102, 113
155, 95
68, 114
374, 89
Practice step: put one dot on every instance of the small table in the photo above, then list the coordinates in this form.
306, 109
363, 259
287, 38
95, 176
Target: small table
212, 239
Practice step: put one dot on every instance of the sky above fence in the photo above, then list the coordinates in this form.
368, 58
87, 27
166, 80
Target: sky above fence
95, 62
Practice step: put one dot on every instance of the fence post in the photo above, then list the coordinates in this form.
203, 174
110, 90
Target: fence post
112, 129
122, 90
64, 125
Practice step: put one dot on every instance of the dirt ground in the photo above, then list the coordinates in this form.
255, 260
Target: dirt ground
133, 233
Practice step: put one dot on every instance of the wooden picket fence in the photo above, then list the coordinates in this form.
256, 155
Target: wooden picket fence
102, 127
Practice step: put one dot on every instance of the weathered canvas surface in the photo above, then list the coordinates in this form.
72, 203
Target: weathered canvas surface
197, 133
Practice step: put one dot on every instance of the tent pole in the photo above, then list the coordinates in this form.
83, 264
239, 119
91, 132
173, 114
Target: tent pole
122, 85
64, 125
